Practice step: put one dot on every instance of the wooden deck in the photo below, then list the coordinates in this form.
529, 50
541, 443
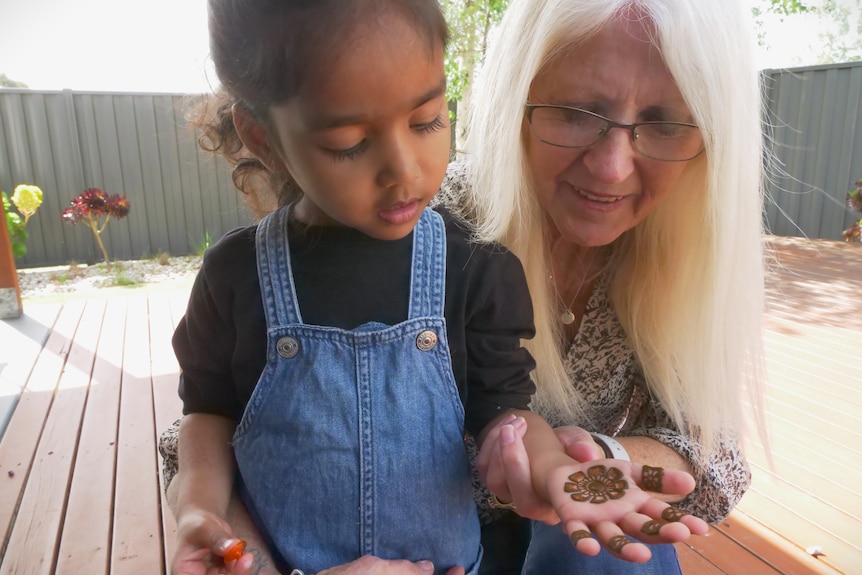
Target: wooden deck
80, 491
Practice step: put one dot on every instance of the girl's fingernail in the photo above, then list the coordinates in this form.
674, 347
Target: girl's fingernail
507, 435
425, 565
235, 551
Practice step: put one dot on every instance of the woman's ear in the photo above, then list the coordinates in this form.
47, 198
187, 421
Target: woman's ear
253, 135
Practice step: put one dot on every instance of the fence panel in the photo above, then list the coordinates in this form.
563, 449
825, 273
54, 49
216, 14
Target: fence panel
140, 146
815, 116
136, 145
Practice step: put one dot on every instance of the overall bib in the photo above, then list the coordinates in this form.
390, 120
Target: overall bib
352, 442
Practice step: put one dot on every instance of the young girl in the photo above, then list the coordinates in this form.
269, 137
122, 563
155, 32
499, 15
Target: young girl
343, 345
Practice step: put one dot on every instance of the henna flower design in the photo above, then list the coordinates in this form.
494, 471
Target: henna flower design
597, 485
652, 478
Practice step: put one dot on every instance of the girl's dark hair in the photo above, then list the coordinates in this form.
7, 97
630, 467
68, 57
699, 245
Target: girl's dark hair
264, 49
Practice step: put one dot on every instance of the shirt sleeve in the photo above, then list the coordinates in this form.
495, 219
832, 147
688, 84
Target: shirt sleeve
721, 479
500, 316
204, 343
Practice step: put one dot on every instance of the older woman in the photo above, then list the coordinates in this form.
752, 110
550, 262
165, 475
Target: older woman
615, 146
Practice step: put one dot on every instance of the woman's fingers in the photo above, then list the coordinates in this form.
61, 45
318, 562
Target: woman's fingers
620, 545
661, 511
650, 530
578, 443
660, 480
581, 537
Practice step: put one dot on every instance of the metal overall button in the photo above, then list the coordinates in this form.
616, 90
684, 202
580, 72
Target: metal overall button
287, 347
426, 340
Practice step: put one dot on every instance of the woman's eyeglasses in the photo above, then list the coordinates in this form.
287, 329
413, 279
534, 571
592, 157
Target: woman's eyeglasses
575, 128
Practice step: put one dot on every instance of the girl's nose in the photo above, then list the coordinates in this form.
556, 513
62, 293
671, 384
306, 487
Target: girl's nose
612, 159
398, 162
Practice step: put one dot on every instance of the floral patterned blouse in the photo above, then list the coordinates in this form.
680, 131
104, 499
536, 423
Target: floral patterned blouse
603, 367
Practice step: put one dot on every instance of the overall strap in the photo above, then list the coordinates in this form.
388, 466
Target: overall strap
428, 276
274, 271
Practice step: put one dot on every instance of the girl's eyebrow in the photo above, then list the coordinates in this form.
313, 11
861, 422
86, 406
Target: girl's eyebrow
329, 122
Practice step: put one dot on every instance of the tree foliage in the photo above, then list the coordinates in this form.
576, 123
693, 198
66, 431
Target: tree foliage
788, 7
841, 37
470, 25
7, 82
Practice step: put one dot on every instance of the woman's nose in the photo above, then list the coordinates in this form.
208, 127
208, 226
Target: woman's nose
612, 159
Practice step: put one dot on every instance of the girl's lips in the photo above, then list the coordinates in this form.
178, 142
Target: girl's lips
599, 202
400, 213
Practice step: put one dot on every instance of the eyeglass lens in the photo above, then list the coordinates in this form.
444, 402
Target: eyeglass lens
573, 128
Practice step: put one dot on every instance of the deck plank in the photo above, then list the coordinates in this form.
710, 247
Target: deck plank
91, 496
691, 562
799, 518
779, 553
22, 436
166, 402
728, 557
137, 539
34, 540
23, 339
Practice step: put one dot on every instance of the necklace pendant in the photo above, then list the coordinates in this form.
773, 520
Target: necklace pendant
567, 317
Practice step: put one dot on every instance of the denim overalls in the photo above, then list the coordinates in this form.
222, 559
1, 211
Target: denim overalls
352, 442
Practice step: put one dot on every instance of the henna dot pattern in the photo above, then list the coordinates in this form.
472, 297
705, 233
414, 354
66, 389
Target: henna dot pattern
617, 543
598, 485
652, 527
578, 535
673, 514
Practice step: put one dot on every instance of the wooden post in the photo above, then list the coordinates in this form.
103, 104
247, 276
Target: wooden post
10, 291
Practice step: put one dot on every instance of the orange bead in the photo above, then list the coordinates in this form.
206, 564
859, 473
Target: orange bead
234, 552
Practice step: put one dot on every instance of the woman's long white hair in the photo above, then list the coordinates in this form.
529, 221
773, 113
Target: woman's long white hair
686, 283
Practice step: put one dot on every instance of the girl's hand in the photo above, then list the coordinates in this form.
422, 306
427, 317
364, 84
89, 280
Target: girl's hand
206, 546
608, 498
505, 468
369, 565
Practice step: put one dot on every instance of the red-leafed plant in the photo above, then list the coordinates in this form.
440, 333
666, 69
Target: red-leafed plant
95, 208
854, 201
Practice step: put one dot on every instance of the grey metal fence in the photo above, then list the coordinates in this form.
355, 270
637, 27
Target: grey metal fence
136, 145
140, 146
815, 118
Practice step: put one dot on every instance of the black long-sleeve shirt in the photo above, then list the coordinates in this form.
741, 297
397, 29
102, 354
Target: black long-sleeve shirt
343, 279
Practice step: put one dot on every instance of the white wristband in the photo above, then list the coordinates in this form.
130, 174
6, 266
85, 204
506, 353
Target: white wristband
613, 449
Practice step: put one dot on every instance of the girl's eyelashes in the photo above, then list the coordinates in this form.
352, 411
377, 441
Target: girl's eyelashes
435, 126
355, 151
350, 153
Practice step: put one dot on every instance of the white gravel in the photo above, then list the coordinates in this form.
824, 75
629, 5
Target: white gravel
69, 279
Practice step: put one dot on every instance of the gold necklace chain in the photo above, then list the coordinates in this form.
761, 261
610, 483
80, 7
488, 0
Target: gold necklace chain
568, 316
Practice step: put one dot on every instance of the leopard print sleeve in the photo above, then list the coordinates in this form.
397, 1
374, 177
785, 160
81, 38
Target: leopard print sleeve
722, 478
603, 367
